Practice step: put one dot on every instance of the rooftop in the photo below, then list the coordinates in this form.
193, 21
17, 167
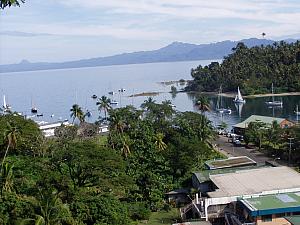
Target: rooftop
294, 220
230, 162
254, 181
271, 204
204, 175
256, 118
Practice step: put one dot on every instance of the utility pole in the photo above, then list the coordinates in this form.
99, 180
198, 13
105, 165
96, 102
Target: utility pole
290, 150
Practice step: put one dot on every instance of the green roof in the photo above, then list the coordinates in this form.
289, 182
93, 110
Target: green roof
256, 118
230, 162
203, 176
294, 220
271, 204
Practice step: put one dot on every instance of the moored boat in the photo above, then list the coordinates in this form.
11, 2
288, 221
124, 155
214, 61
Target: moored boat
274, 103
239, 98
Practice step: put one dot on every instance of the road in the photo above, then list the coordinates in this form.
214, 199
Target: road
227, 148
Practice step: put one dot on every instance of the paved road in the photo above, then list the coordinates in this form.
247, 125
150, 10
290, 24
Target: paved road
229, 149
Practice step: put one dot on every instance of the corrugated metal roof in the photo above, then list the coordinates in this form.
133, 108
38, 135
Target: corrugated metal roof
257, 118
294, 220
248, 182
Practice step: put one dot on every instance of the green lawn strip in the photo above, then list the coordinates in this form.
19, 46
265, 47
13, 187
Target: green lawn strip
163, 217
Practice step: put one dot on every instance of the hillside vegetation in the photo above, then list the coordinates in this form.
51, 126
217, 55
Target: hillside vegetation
252, 69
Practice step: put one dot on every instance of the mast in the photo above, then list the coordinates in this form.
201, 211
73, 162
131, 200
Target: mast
272, 93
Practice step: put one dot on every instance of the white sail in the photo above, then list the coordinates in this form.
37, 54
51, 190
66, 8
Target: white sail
239, 98
4, 102
239, 95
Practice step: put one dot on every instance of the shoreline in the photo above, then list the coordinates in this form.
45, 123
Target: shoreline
232, 95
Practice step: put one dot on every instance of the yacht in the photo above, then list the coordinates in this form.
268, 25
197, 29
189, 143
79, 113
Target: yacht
6, 107
238, 98
220, 108
273, 103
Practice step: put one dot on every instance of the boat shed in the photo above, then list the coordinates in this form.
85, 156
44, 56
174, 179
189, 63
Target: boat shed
240, 127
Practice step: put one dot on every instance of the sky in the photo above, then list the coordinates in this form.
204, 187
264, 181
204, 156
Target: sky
63, 30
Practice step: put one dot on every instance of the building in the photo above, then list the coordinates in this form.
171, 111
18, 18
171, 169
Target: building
229, 163
293, 220
270, 209
48, 128
220, 190
240, 127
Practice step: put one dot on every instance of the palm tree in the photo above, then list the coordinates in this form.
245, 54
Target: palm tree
10, 136
202, 103
104, 104
76, 112
148, 103
126, 142
160, 144
6, 178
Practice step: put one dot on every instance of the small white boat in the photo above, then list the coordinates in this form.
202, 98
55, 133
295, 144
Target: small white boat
6, 107
122, 90
33, 108
274, 103
238, 98
114, 102
111, 93
297, 111
220, 109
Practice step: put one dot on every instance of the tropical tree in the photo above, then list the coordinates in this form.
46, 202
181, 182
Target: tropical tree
104, 104
148, 104
160, 144
6, 177
202, 103
10, 136
76, 112
9, 3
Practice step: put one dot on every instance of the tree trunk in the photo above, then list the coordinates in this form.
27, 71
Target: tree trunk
4, 156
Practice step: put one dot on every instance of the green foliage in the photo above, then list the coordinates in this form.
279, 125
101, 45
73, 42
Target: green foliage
9, 3
252, 69
100, 209
22, 135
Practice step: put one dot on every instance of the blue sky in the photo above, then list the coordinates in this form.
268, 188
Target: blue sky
61, 30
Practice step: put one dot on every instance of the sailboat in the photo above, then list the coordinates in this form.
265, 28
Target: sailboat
297, 111
274, 103
6, 107
238, 98
220, 108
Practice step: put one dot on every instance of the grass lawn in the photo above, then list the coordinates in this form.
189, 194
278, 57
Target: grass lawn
163, 217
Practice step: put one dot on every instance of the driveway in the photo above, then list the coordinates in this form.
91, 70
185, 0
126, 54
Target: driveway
227, 148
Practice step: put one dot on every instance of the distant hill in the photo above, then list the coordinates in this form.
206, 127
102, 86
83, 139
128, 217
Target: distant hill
177, 51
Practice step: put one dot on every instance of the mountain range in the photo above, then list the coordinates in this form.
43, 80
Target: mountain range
177, 51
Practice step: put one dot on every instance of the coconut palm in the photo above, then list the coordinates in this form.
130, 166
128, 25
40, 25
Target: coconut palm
126, 142
148, 103
104, 104
160, 144
76, 112
10, 136
202, 103
6, 178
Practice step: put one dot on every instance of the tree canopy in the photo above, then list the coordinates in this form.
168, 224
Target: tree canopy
252, 69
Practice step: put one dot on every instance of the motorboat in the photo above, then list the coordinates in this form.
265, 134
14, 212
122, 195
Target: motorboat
114, 102
94, 96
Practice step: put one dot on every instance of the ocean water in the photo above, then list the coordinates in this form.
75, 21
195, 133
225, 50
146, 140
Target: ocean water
53, 92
